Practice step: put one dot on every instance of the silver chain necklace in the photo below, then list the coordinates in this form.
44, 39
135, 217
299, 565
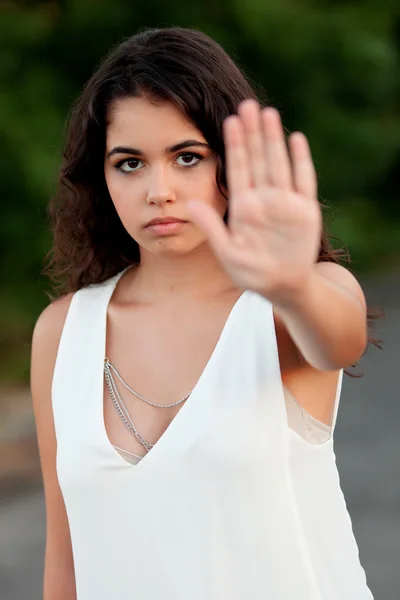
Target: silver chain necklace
109, 366
120, 406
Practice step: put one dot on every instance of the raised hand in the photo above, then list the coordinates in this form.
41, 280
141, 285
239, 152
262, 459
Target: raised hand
273, 235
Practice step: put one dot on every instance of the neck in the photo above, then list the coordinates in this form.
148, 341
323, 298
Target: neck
196, 274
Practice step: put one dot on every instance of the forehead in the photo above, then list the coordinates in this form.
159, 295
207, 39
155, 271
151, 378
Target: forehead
138, 121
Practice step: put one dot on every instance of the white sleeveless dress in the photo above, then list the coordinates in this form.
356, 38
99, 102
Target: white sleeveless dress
201, 516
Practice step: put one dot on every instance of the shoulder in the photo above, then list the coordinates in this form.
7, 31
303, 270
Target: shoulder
50, 322
45, 340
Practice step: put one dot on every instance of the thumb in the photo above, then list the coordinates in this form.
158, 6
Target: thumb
208, 219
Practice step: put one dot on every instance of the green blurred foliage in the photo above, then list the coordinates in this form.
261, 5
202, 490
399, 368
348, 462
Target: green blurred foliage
331, 67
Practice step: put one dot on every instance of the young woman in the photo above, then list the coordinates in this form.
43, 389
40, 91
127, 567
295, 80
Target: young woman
186, 381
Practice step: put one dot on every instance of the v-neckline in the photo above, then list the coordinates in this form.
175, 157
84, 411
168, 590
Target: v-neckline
174, 424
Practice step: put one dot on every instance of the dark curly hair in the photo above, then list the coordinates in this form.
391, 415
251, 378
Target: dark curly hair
180, 65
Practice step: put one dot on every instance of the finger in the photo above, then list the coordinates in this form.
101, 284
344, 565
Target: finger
278, 161
250, 113
304, 175
207, 218
237, 164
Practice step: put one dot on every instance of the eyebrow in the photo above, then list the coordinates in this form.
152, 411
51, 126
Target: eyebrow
168, 150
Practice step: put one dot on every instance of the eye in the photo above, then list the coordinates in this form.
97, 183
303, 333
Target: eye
128, 165
190, 156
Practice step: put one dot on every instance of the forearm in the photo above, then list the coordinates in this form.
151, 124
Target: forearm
327, 323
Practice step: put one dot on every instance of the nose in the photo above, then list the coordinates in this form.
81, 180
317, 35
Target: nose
160, 189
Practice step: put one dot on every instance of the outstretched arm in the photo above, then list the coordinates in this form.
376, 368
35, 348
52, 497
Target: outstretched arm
272, 240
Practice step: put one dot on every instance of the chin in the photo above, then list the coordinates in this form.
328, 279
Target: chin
170, 246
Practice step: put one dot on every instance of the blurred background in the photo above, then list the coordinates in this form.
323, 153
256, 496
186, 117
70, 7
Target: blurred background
332, 69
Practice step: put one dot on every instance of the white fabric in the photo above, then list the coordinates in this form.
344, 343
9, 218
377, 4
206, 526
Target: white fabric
304, 424
201, 516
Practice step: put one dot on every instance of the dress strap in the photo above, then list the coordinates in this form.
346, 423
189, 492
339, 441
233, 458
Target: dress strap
78, 374
337, 400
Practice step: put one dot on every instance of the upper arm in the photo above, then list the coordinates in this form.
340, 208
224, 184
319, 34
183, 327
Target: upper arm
342, 277
59, 579
314, 390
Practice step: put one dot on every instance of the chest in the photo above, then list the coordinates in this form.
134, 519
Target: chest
161, 357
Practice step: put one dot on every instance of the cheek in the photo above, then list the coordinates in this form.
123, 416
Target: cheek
220, 203
212, 194
124, 194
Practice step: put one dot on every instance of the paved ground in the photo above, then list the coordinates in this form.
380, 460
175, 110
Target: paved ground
368, 455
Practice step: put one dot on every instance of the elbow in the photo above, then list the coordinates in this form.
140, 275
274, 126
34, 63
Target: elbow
349, 352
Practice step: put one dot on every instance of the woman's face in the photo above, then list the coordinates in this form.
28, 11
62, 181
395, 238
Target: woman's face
155, 162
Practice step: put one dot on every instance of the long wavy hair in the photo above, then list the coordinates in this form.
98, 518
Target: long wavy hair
179, 65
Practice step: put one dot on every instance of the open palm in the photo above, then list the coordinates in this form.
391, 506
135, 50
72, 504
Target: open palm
275, 222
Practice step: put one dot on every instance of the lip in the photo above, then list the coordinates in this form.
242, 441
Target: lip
165, 226
164, 221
